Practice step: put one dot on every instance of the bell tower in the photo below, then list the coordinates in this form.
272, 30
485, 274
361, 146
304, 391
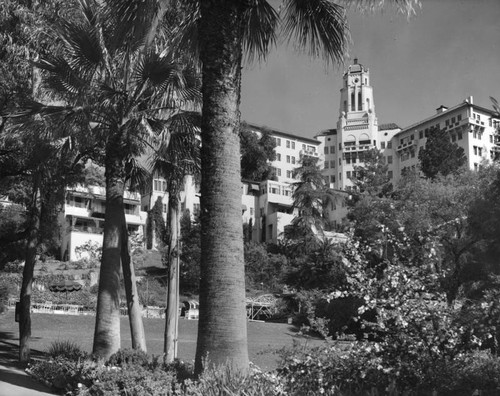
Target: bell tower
357, 125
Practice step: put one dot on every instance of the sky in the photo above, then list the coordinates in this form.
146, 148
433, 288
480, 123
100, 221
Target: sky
445, 53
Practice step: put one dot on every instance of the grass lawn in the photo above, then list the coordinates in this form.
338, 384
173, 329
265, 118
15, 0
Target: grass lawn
264, 339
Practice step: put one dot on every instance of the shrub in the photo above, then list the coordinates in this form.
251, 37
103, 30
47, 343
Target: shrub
128, 357
66, 349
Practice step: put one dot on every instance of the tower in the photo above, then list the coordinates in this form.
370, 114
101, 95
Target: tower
357, 125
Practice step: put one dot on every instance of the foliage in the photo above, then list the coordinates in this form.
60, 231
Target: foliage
90, 250
94, 176
12, 221
156, 228
66, 349
365, 369
263, 270
440, 155
257, 153
371, 178
128, 357
189, 276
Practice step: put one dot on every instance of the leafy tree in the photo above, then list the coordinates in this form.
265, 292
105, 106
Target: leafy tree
310, 197
371, 178
190, 254
263, 269
440, 155
256, 154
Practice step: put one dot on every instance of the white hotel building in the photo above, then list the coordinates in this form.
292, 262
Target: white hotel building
267, 206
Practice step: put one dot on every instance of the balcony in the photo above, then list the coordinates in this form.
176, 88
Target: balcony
359, 147
310, 153
406, 145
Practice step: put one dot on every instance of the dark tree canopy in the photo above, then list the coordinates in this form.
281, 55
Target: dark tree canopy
256, 154
440, 155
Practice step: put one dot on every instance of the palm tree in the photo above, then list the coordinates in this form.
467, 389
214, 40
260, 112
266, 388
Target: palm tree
177, 157
225, 30
112, 79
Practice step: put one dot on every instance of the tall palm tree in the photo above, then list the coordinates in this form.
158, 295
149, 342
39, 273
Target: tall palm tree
112, 79
177, 157
226, 29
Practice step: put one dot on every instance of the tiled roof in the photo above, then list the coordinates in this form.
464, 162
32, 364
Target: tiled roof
385, 127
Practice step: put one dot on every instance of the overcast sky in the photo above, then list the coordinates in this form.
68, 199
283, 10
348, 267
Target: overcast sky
447, 52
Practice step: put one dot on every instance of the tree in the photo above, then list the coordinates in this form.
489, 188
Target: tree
256, 154
226, 29
440, 155
310, 197
371, 178
114, 83
175, 159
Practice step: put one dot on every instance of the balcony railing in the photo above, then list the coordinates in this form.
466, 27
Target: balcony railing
406, 145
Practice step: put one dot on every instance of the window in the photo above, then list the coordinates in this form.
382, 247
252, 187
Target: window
278, 171
389, 145
475, 150
332, 149
480, 151
421, 134
333, 179
340, 161
426, 133
360, 103
332, 164
304, 147
353, 104
389, 159
278, 141
491, 138
389, 174
278, 157
447, 122
474, 134
452, 120
326, 150
327, 164
287, 159
412, 154
453, 137
164, 208
412, 137
288, 144
340, 146
459, 117
289, 174
340, 176
459, 135
382, 145
293, 145
251, 211
348, 174
293, 160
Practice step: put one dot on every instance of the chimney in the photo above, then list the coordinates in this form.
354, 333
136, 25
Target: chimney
355, 61
441, 109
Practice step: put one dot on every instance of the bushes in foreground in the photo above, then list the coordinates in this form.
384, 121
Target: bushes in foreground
361, 369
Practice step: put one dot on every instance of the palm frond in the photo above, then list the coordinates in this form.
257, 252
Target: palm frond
137, 175
61, 76
184, 38
407, 7
318, 26
259, 34
83, 46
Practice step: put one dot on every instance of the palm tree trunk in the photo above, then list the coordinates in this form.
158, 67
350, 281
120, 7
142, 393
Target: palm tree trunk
26, 287
133, 304
222, 332
107, 328
172, 315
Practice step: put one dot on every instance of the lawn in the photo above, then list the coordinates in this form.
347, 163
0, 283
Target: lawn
264, 339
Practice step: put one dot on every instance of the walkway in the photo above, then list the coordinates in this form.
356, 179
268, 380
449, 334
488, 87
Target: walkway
14, 381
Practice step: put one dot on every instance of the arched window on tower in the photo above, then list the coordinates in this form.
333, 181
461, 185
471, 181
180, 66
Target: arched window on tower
360, 103
353, 103
367, 104
345, 106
